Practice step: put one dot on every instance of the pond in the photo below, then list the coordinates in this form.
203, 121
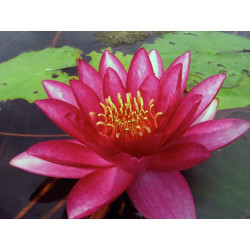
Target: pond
220, 185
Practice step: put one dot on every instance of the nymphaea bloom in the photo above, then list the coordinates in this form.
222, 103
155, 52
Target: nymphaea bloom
132, 131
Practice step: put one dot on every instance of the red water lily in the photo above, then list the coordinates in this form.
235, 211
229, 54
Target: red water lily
132, 131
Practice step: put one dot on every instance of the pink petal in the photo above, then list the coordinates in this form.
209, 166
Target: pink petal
208, 88
59, 90
162, 196
183, 115
140, 68
97, 190
112, 85
38, 166
216, 133
209, 113
87, 99
69, 119
109, 60
156, 62
132, 164
90, 77
67, 153
179, 157
170, 88
185, 61
150, 89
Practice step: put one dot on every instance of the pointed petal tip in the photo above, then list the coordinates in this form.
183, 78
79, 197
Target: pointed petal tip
45, 82
162, 196
106, 52
13, 162
153, 51
78, 60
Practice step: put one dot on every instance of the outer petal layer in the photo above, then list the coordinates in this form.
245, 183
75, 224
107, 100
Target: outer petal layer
37, 166
67, 153
180, 157
209, 113
59, 90
208, 88
162, 196
97, 190
109, 60
216, 133
69, 119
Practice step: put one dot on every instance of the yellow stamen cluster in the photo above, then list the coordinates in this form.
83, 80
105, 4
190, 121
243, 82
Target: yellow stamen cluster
130, 120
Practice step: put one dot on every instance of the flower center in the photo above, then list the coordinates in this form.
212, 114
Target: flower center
130, 120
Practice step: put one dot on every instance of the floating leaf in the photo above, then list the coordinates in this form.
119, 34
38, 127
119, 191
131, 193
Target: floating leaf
21, 77
211, 53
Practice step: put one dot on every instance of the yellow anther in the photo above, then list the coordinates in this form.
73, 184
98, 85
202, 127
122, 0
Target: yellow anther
129, 119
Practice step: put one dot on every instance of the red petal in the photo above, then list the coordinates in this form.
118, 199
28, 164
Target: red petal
67, 153
150, 89
96, 191
112, 85
185, 61
208, 88
156, 62
179, 157
162, 196
132, 164
59, 90
140, 68
87, 99
69, 119
183, 115
38, 166
170, 88
90, 77
109, 60
209, 113
216, 133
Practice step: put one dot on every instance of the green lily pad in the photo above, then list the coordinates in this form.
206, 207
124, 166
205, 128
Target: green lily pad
211, 53
220, 185
21, 77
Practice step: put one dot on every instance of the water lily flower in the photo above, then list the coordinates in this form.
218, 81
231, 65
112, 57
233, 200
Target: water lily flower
132, 131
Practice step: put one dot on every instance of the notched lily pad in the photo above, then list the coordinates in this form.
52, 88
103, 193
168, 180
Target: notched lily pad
21, 77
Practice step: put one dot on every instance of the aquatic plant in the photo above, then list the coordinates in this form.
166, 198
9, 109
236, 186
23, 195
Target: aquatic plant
131, 131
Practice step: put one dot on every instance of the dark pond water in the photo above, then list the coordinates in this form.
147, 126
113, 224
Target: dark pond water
26, 195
